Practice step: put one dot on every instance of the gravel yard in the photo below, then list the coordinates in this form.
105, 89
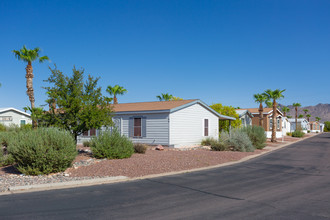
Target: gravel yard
152, 162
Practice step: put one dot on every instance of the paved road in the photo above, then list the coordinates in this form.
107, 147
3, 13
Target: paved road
292, 183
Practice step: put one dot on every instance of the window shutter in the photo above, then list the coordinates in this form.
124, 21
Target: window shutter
144, 126
130, 127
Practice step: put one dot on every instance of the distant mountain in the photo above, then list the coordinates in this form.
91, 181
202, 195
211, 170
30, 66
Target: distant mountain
319, 110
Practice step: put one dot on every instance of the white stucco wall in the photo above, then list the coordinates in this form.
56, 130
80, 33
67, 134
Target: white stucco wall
187, 126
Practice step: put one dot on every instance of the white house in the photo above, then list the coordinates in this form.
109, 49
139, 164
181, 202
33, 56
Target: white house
245, 116
286, 125
12, 116
303, 124
171, 123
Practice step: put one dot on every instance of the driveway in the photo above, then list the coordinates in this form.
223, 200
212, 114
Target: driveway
291, 183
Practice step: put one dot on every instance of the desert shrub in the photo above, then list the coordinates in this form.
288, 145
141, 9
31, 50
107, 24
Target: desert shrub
219, 146
111, 145
140, 148
237, 141
308, 131
257, 136
209, 141
42, 151
2, 127
317, 131
298, 133
86, 143
6, 159
327, 126
289, 133
26, 127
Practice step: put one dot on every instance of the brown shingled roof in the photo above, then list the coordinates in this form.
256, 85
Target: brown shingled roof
256, 110
149, 106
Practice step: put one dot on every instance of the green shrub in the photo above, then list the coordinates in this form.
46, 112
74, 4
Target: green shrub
2, 127
86, 143
43, 150
237, 141
6, 159
289, 133
219, 146
308, 131
257, 136
111, 145
298, 133
140, 148
209, 141
326, 126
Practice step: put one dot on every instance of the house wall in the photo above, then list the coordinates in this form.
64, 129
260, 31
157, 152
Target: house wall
16, 117
155, 128
286, 127
246, 119
255, 121
187, 125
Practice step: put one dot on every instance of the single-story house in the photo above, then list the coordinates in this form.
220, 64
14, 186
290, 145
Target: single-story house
303, 124
245, 116
267, 120
286, 126
12, 116
170, 123
315, 126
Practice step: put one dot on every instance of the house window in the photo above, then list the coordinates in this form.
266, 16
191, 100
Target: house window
6, 118
92, 132
271, 124
206, 127
137, 127
23, 122
243, 121
278, 124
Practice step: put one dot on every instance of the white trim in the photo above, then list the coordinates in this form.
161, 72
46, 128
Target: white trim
14, 109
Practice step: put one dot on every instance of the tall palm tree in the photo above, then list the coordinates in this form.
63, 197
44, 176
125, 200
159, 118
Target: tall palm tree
308, 116
260, 98
269, 104
28, 56
164, 97
274, 95
285, 110
116, 90
306, 110
296, 105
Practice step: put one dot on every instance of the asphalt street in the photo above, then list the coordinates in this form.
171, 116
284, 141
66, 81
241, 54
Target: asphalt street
291, 183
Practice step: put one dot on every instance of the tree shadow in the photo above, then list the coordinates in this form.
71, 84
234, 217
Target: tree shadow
9, 170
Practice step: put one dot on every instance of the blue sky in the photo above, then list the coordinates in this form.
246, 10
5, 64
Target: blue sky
216, 51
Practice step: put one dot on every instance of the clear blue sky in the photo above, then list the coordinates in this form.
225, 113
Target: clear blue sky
216, 51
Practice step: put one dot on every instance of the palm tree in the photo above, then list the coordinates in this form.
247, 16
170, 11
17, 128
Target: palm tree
317, 118
308, 116
164, 97
29, 56
296, 105
300, 116
274, 95
269, 104
306, 110
285, 110
260, 98
116, 90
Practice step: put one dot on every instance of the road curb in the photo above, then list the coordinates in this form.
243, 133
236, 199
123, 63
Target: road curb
117, 179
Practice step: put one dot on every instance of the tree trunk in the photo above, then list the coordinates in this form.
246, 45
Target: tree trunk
274, 122
261, 118
115, 101
29, 86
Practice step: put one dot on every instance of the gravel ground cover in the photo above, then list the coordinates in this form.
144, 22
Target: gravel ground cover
152, 162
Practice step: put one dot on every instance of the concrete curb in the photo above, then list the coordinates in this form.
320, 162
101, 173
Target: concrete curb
108, 180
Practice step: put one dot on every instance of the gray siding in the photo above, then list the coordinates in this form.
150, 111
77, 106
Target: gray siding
155, 129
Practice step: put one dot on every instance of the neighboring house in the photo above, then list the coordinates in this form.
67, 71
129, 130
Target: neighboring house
171, 123
322, 127
315, 126
245, 116
286, 125
12, 116
303, 124
267, 120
